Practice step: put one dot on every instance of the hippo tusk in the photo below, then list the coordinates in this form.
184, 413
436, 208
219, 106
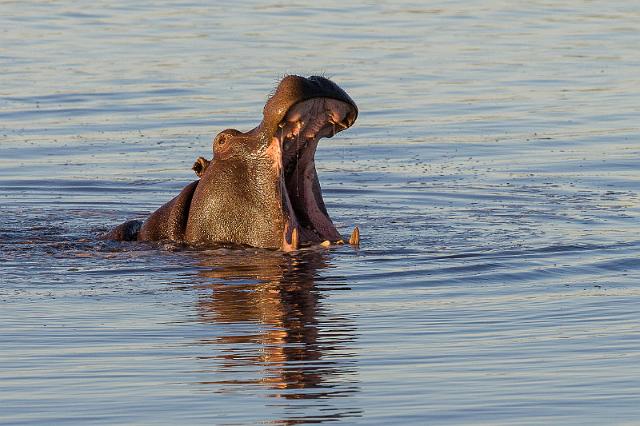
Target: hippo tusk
354, 239
295, 243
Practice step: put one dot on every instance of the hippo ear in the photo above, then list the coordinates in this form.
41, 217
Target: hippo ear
200, 166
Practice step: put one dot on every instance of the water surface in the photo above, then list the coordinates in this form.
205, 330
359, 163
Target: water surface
493, 172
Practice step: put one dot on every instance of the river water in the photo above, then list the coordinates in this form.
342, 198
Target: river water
493, 172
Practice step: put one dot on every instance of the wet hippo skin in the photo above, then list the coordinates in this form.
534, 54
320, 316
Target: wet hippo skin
261, 188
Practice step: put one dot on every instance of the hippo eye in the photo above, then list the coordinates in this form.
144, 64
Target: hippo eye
224, 135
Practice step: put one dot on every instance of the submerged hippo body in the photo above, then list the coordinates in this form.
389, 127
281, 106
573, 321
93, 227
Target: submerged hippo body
261, 188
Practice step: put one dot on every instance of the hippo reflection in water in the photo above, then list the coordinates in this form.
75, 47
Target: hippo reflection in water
285, 338
261, 188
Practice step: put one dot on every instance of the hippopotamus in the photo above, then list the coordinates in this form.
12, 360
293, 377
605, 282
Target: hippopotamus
261, 187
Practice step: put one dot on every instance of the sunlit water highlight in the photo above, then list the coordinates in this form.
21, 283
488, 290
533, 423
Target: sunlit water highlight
493, 172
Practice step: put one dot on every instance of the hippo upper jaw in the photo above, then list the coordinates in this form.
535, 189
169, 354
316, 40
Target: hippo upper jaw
292, 152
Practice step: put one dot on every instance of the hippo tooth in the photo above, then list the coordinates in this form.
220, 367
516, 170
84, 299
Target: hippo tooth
350, 118
325, 243
294, 239
354, 240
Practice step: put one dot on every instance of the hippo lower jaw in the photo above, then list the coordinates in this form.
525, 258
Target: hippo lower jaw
292, 151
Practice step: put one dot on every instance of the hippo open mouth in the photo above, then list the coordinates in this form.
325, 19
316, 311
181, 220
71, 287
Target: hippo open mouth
297, 140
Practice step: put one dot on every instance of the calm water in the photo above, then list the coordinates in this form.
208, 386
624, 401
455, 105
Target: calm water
493, 171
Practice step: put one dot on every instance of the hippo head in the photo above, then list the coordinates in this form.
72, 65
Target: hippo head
261, 188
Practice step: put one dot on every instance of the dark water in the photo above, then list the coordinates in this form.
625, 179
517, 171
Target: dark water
493, 172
